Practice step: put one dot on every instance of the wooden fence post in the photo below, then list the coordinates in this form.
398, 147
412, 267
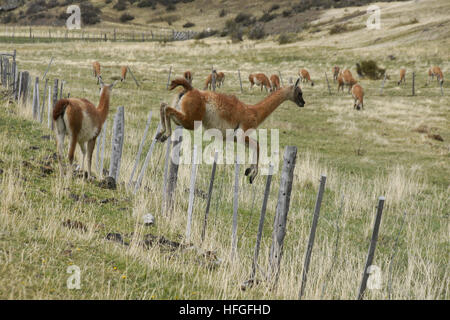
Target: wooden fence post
55, 96
19, 89
16, 81
43, 101
279, 224
168, 79
213, 80
312, 234
373, 244
261, 222
132, 75
138, 156
146, 161
48, 68
166, 172
24, 88
191, 194
328, 84
208, 203
104, 129
61, 90
49, 108
117, 143
413, 83
36, 106
173, 169
240, 81
235, 210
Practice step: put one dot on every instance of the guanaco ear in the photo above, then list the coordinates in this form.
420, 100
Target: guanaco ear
297, 82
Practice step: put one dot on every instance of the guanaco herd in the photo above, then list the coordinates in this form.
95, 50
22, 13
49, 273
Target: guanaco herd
82, 121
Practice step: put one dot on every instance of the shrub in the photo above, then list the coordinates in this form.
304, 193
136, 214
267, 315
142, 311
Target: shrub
205, 34
147, 3
188, 25
257, 32
370, 69
287, 13
338, 28
266, 17
285, 39
120, 5
274, 7
245, 19
91, 14
222, 13
125, 17
171, 7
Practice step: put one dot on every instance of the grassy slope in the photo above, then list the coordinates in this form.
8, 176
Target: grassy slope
409, 168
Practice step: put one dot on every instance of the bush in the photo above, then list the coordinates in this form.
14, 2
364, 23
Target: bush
338, 28
370, 69
205, 34
147, 3
245, 19
266, 17
257, 32
284, 39
126, 17
222, 13
287, 13
91, 14
274, 7
188, 25
120, 5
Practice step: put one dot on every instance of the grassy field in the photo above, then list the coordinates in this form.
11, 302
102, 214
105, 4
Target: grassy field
365, 154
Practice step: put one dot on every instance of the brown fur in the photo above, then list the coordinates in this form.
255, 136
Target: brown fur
259, 79
275, 82
123, 73
437, 72
346, 78
358, 95
304, 74
70, 115
402, 76
220, 78
227, 111
96, 70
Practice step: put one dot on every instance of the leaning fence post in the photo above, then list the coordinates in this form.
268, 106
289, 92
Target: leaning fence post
132, 75
104, 129
41, 118
173, 170
373, 244
240, 81
138, 156
235, 210
48, 68
279, 224
49, 106
55, 96
117, 143
191, 194
261, 221
36, 106
208, 203
168, 78
312, 234
146, 161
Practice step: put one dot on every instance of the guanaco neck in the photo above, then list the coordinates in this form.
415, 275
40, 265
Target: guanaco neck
268, 105
103, 105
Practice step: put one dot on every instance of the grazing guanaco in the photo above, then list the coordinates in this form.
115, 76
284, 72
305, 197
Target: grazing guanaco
358, 95
402, 76
82, 121
222, 112
123, 73
275, 82
335, 72
304, 75
437, 72
346, 78
188, 76
259, 79
96, 70
220, 78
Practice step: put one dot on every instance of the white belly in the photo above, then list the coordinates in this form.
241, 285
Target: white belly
88, 129
212, 120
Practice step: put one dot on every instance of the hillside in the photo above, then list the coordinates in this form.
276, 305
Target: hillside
274, 16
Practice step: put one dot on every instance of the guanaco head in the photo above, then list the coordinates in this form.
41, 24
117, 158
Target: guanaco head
104, 86
297, 95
